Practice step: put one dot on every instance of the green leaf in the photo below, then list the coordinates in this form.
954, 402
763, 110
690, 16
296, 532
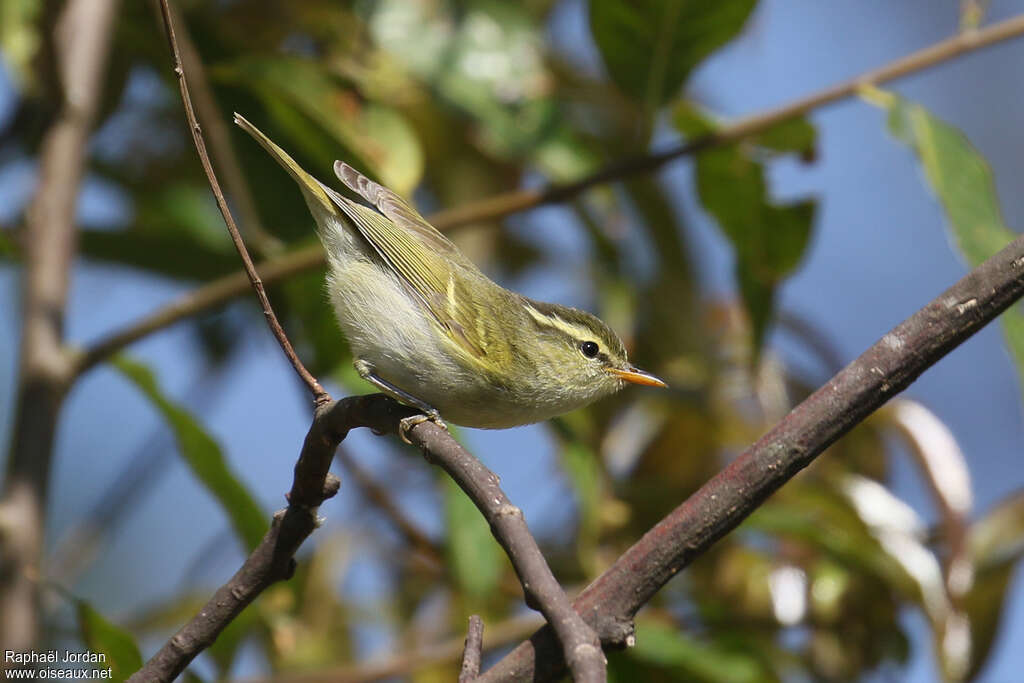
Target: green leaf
793, 135
379, 137
995, 544
156, 252
8, 247
20, 39
650, 46
202, 454
583, 469
962, 181
475, 557
769, 239
668, 647
821, 515
103, 637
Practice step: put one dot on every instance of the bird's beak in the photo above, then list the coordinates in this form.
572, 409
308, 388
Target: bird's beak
637, 376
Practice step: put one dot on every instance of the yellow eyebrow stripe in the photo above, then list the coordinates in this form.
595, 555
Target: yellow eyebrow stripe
556, 323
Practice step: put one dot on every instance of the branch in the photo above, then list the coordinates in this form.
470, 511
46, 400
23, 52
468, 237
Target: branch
881, 372
542, 592
500, 634
279, 268
81, 42
220, 141
272, 560
472, 652
319, 394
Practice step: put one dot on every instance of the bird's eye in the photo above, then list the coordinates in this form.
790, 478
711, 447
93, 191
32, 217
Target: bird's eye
589, 349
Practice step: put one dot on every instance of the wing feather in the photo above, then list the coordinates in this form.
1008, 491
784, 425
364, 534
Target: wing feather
407, 251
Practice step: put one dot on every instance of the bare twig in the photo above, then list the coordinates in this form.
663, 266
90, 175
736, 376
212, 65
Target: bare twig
272, 560
220, 140
81, 43
498, 635
280, 268
471, 654
578, 641
881, 372
320, 396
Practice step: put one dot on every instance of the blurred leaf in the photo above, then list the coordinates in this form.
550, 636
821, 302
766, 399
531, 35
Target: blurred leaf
8, 247
996, 545
163, 253
796, 135
684, 658
475, 557
486, 61
793, 135
770, 239
583, 469
650, 46
821, 516
176, 231
101, 636
962, 181
20, 39
378, 136
202, 454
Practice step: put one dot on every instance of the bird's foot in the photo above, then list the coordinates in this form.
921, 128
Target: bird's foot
407, 423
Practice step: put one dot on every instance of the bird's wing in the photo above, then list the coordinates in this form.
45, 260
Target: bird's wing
399, 211
404, 242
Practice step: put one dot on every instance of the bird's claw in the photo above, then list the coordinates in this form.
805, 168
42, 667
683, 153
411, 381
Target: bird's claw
407, 423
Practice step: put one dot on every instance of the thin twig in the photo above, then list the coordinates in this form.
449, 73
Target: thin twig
220, 140
320, 396
580, 646
279, 268
471, 654
81, 43
272, 560
877, 375
402, 664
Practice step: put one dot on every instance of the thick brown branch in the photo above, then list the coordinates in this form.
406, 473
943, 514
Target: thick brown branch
881, 372
280, 268
81, 42
319, 394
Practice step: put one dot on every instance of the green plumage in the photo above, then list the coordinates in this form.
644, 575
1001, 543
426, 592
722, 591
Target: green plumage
426, 326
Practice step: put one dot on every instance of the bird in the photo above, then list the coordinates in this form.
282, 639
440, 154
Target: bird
428, 328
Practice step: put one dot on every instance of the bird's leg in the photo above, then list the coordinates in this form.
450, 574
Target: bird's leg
430, 413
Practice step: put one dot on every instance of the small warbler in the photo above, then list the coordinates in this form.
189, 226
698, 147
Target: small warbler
426, 327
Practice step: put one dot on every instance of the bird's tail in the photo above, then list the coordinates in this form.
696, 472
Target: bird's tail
312, 190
